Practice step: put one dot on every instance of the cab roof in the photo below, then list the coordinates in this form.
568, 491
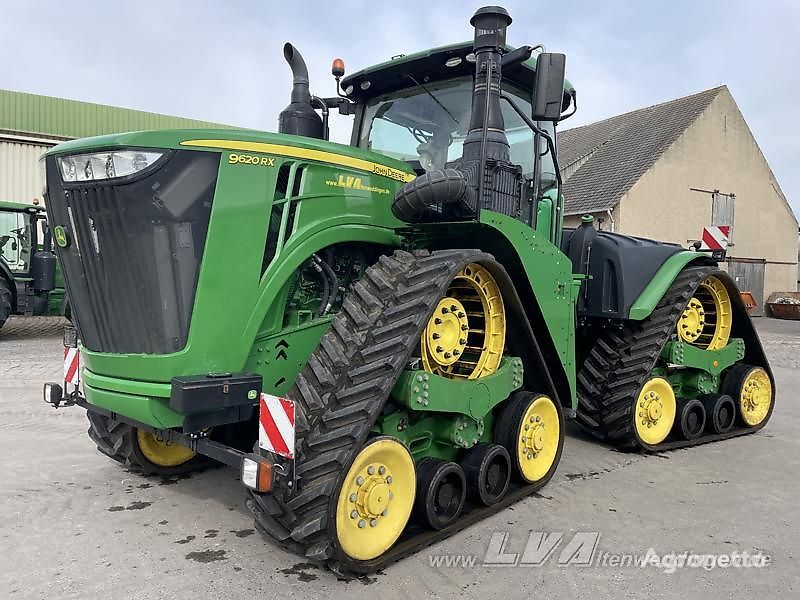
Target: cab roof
430, 65
18, 206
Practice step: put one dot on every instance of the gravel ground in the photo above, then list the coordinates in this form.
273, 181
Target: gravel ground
76, 525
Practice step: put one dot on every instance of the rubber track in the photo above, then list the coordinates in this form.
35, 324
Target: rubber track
340, 393
621, 361
115, 439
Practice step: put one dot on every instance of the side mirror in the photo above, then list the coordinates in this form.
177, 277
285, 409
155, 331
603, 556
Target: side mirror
548, 88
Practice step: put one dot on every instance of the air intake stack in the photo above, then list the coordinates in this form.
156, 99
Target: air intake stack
486, 177
486, 138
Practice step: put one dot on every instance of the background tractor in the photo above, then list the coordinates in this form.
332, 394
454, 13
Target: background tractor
30, 279
386, 337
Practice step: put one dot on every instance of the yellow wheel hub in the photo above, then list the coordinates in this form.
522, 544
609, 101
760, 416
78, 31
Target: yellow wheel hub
161, 453
538, 435
446, 333
756, 397
466, 334
376, 499
655, 410
706, 321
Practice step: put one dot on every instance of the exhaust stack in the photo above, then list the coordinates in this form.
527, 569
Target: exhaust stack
299, 118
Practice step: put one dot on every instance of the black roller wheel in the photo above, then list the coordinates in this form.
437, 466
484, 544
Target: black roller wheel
487, 468
691, 419
721, 412
441, 491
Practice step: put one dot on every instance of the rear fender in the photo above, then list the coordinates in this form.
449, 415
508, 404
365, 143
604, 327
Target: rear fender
646, 302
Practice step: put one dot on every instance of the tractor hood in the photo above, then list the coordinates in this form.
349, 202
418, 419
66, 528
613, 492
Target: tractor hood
245, 141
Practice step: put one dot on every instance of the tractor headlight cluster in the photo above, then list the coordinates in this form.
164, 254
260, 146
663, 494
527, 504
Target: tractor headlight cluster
105, 165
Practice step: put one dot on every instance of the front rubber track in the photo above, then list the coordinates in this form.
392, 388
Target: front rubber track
117, 441
622, 358
341, 391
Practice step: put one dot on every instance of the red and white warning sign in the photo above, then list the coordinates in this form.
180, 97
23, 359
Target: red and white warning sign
276, 425
715, 237
72, 363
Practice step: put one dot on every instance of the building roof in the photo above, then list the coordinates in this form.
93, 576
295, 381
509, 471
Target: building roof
44, 116
601, 161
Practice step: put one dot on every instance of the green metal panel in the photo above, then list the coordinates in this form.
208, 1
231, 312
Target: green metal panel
233, 323
714, 362
655, 290
59, 117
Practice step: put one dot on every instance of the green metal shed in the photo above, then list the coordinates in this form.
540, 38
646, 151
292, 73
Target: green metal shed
30, 124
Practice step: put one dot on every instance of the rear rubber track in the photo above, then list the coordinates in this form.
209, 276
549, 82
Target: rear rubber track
620, 362
340, 393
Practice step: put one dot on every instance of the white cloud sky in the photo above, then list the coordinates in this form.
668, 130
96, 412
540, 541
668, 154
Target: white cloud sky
222, 61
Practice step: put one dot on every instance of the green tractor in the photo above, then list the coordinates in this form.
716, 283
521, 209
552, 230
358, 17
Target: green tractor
384, 338
30, 279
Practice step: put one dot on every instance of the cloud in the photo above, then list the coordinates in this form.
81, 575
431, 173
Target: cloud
223, 61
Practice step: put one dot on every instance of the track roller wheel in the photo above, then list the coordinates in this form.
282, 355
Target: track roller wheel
752, 392
654, 411
691, 419
375, 499
441, 491
721, 412
487, 468
531, 428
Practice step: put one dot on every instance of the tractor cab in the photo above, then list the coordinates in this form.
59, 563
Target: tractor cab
28, 269
16, 237
418, 109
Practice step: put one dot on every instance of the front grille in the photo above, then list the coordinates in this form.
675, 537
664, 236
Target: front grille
135, 250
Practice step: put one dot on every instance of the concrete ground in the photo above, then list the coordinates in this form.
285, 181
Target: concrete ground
73, 524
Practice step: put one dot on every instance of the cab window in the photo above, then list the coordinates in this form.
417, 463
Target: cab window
427, 127
15, 240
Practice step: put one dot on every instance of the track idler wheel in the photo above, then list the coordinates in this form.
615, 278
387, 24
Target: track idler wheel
752, 392
441, 491
531, 429
691, 419
375, 499
487, 468
721, 412
654, 411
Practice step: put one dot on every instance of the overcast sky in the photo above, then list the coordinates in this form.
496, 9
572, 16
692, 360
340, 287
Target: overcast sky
222, 61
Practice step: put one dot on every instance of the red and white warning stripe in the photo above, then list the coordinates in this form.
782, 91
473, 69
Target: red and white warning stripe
72, 363
715, 237
276, 425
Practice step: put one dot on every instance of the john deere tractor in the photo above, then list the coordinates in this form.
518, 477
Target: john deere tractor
30, 279
384, 338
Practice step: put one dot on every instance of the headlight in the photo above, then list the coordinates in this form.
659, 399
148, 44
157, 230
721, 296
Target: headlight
105, 165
